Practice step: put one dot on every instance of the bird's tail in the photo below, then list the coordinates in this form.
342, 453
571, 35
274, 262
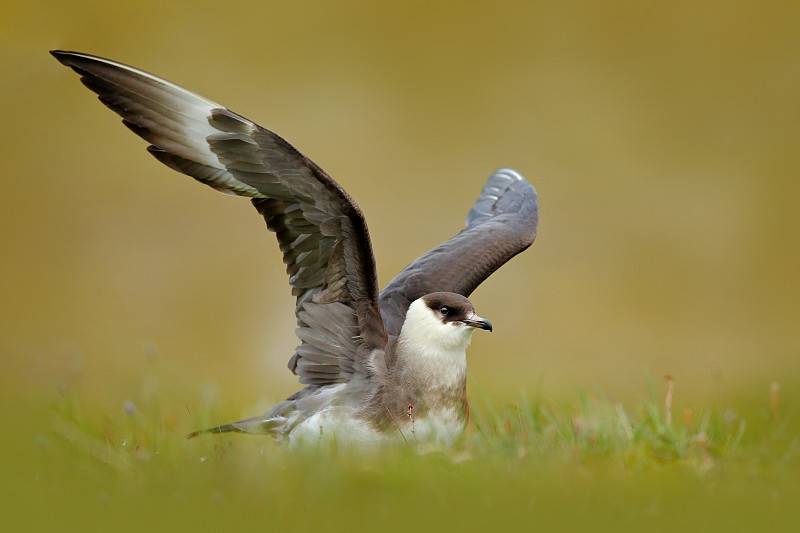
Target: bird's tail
271, 425
225, 428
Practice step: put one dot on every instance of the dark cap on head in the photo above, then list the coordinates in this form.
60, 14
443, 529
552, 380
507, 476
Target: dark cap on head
452, 307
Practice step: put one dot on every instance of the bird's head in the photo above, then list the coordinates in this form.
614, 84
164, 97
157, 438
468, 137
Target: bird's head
443, 321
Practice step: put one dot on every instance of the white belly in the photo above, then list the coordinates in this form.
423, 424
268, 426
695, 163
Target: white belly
443, 426
334, 424
337, 425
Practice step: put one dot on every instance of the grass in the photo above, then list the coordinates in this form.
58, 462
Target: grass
529, 464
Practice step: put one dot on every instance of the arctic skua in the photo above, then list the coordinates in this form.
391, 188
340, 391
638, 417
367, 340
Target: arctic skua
376, 364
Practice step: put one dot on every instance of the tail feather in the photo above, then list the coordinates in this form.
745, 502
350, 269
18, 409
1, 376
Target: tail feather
225, 428
273, 426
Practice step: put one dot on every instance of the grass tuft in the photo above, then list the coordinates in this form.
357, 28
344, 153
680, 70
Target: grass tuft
590, 463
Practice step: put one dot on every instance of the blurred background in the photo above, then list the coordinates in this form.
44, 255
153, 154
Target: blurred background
662, 141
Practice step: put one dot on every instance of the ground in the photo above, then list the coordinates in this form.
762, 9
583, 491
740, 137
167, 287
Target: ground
532, 463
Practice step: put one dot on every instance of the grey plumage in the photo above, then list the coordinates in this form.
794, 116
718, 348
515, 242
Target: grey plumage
501, 224
348, 330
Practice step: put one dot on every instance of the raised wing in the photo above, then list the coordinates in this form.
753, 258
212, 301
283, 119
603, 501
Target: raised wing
501, 224
320, 229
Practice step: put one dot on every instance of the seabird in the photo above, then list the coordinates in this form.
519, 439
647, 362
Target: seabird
375, 364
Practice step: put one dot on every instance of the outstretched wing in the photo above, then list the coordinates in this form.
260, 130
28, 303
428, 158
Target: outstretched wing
501, 224
320, 229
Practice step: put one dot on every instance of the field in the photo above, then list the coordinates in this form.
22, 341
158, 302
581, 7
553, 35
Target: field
137, 304
532, 464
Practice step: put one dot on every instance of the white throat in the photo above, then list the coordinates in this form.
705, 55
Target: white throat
426, 335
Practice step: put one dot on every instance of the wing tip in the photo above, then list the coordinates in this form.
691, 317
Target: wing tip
505, 191
68, 57
62, 56
508, 172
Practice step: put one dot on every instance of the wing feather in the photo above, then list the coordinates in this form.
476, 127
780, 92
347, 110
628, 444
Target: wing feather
502, 223
320, 230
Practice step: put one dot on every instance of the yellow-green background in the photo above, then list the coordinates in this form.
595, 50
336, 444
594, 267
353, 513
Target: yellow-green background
662, 138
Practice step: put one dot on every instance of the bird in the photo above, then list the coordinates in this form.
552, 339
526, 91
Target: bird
377, 365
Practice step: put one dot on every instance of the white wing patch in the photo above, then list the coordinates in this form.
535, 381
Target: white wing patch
176, 121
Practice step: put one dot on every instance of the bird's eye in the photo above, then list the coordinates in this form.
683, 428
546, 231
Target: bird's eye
444, 310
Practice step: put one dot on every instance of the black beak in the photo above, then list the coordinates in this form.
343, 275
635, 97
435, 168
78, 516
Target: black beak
478, 322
